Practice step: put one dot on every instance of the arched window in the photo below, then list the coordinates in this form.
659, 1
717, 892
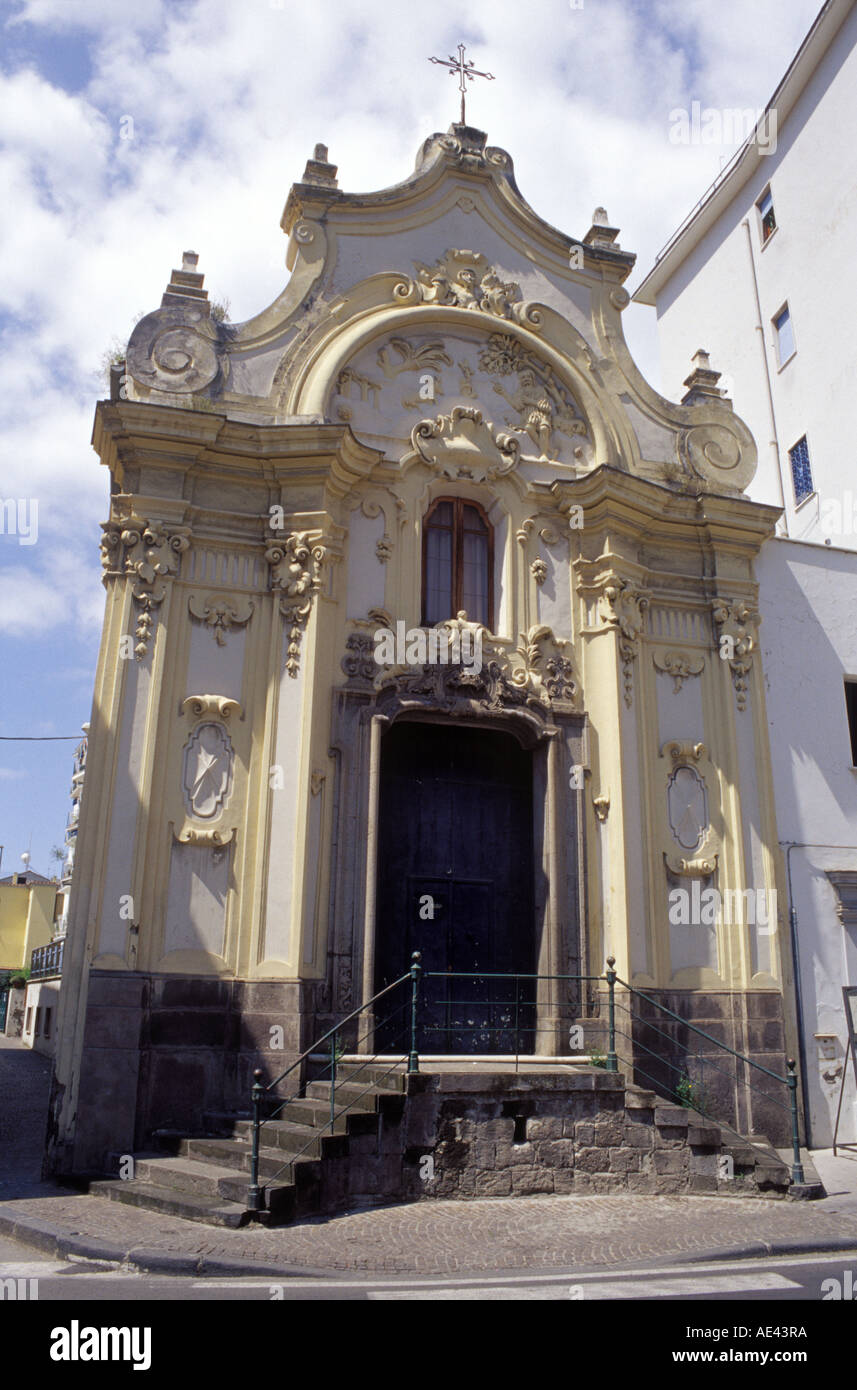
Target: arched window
458, 562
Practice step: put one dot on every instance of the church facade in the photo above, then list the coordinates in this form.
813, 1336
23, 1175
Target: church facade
430, 626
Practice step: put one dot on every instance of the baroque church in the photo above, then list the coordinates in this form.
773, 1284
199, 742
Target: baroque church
436, 430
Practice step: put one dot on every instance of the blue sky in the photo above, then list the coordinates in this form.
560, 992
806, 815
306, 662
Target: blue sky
226, 103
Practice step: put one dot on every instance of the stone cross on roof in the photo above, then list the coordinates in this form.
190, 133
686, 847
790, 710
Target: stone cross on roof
466, 72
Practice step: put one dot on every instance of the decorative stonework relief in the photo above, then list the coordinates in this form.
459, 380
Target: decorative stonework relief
221, 612
543, 676
625, 609
464, 445
687, 807
543, 404
149, 552
467, 280
691, 845
736, 625
469, 369
295, 564
427, 357
680, 665
210, 707
207, 771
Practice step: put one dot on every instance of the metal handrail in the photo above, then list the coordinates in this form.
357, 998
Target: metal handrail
255, 1196
255, 1193
790, 1081
692, 1026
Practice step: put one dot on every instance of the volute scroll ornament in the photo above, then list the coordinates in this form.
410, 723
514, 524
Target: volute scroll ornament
210, 707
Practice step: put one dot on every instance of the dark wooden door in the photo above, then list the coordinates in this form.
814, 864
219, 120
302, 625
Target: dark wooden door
455, 882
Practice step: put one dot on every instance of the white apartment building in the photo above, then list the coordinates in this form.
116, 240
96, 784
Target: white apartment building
765, 264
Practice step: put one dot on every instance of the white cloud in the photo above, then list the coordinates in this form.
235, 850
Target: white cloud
228, 101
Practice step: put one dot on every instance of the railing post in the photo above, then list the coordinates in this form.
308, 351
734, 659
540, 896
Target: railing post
612, 1059
254, 1192
333, 1037
416, 971
797, 1166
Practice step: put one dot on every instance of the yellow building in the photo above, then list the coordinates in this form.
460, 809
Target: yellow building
288, 791
27, 909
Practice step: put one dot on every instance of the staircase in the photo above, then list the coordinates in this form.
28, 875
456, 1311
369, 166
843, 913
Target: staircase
206, 1178
574, 1130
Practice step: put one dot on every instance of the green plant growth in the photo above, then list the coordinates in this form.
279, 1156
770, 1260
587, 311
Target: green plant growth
690, 1093
597, 1058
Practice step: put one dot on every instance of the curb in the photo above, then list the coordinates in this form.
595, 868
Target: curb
760, 1249
30, 1231
38, 1234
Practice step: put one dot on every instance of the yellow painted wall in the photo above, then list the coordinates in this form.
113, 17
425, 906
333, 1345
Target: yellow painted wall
26, 921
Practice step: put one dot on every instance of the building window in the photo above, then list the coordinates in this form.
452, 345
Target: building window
766, 214
851, 709
785, 335
47, 1032
458, 562
801, 471
29, 1019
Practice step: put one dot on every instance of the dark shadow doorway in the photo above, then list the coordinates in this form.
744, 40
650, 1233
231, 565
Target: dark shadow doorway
456, 882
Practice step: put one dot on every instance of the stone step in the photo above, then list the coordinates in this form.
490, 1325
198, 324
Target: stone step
378, 1075
359, 1095
138, 1193
194, 1175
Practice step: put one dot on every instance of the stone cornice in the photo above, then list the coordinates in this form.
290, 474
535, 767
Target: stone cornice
130, 433
610, 496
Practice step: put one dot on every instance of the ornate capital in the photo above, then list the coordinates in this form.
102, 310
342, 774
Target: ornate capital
736, 631
548, 666
295, 563
147, 552
625, 609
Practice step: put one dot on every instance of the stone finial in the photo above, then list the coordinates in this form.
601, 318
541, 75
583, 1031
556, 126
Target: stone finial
702, 382
186, 283
601, 233
319, 171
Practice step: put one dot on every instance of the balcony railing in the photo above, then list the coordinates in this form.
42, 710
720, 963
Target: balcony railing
46, 961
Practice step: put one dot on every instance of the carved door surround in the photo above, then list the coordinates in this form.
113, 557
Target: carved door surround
553, 729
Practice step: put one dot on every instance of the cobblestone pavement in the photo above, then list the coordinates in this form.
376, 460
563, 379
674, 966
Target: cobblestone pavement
454, 1237
25, 1081
437, 1237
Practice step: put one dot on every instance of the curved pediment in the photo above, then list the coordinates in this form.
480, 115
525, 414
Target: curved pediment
445, 293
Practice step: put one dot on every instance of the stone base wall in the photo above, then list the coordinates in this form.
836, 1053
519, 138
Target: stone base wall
467, 1136
666, 1052
162, 1051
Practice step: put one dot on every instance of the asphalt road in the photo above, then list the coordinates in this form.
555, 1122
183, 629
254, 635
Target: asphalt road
805, 1279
